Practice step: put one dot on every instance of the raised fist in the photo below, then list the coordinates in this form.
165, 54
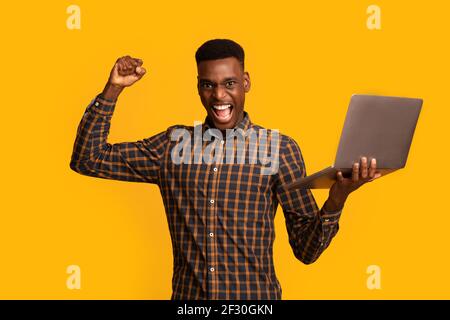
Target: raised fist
126, 71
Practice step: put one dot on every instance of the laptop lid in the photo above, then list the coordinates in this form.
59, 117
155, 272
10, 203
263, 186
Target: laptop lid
380, 127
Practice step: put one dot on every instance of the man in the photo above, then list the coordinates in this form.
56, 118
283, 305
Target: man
220, 215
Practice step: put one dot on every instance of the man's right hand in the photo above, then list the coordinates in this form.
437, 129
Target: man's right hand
126, 71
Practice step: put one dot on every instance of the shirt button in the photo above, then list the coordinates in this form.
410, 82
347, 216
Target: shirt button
321, 244
211, 269
326, 220
211, 234
211, 201
96, 103
215, 169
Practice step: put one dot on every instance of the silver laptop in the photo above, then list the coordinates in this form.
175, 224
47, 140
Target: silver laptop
376, 127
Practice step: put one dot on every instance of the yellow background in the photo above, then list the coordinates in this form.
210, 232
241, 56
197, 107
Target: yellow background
305, 60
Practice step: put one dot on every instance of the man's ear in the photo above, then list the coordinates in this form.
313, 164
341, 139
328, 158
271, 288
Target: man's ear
247, 82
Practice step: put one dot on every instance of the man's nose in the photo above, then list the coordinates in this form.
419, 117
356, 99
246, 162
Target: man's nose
219, 92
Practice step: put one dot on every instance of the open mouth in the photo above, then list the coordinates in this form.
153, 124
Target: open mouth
223, 112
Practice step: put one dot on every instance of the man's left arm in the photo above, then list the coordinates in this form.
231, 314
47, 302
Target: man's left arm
311, 230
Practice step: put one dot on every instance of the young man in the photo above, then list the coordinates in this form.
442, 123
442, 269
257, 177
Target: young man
220, 213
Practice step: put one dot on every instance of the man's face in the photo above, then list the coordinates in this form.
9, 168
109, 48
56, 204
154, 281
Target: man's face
222, 85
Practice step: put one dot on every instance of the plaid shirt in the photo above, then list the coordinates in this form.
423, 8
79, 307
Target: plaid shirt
220, 215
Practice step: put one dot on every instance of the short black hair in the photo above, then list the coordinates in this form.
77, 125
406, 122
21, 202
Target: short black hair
220, 49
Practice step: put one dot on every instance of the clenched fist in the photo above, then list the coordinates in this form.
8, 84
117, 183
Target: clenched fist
126, 71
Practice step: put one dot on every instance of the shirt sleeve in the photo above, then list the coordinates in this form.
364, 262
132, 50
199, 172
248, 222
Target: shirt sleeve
310, 230
92, 155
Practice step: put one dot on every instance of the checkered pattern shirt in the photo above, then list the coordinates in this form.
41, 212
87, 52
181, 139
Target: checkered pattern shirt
220, 215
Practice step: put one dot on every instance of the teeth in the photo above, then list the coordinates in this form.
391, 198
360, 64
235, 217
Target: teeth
222, 107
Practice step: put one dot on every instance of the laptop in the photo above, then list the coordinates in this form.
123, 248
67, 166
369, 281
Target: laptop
378, 127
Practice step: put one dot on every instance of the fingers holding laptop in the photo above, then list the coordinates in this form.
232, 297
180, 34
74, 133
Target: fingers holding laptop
341, 189
362, 172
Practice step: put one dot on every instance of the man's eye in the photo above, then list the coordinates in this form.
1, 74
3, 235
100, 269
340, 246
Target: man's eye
230, 84
206, 85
